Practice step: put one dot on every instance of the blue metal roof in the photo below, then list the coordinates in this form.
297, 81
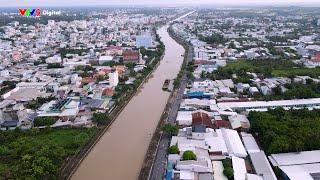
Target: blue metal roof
169, 175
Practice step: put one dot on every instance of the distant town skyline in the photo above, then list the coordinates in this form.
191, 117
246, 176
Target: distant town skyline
10, 3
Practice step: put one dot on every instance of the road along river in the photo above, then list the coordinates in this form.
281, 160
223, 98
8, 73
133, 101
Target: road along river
120, 152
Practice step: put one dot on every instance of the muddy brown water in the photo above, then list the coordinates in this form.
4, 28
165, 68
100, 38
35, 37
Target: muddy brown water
120, 152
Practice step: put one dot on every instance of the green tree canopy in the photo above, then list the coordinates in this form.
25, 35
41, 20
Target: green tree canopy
228, 172
44, 121
101, 118
170, 129
173, 149
189, 155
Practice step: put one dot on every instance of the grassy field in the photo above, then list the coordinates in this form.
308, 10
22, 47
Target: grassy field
269, 68
38, 154
313, 72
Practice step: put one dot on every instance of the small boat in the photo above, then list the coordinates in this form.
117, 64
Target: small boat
166, 85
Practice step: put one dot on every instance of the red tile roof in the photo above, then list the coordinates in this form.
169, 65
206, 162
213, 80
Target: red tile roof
222, 124
201, 118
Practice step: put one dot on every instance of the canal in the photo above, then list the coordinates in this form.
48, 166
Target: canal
120, 152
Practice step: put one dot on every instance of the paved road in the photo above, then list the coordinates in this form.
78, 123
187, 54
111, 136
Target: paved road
159, 167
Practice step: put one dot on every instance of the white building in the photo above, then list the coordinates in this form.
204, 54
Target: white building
296, 166
114, 78
54, 59
73, 39
104, 59
264, 105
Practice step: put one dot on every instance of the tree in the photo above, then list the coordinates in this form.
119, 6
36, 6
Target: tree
35, 167
227, 163
228, 172
189, 155
203, 74
170, 129
173, 149
54, 65
232, 45
44, 121
101, 118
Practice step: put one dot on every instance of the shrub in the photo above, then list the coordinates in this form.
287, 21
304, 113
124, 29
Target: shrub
228, 172
44, 121
173, 149
170, 129
227, 163
189, 155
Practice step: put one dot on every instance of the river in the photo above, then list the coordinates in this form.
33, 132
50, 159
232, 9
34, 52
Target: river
120, 152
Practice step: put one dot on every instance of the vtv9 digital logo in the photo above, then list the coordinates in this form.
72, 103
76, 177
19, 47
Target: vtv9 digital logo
27, 12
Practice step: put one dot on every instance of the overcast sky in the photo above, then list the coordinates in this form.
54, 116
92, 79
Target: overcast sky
29, 3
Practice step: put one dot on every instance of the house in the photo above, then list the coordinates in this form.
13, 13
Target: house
65, 109
239, 122
95, 104
239, 168
198, 103
144, 41
262, 166
233, 142
241, 87
9, 124
184, 117
131, 56
113, 79
295, 166
201, 118
265, 90
24, 94
104, 59
254, 90
54, 59
198, 95
114, 50
250, 54
314, 61
264, 105
250, 143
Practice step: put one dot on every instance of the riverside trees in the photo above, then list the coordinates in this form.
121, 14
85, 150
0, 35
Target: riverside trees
281, 131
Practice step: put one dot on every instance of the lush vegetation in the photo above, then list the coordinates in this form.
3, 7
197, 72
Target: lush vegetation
215, 38
44, 121
281, 131
267, 68
170, 129
54, 65
7, 86
35, 154
228, 169
101, 118
296, 91
173, 149
189, 155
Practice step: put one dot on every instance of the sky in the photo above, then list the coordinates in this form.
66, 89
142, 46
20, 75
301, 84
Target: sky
29, 3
